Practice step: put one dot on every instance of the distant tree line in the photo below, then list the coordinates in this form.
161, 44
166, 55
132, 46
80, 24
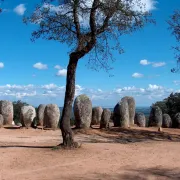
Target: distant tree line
170, 105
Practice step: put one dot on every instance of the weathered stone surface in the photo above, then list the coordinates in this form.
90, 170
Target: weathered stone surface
140, 119
177, 120
124, 112
6, 109
51, 116
155, 118
1, 120
28, 113
82, 111
167, 122
40, 114
96, 115
105, 118
132, 109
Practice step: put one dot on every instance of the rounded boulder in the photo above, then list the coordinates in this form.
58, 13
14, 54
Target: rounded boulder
1, 120
40, 114
28, 113
167, 122
105, 118
96, 115
6, 109
155, 118
177, 120
124, 112
140, 119
82, 111
51, 116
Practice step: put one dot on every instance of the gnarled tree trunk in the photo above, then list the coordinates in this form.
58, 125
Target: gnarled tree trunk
67, 134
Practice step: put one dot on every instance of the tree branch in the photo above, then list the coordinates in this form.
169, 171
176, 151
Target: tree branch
76, 18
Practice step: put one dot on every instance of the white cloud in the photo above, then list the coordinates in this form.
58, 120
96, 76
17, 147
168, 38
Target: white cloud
176, 82
149, 4
154, 87
1, 65
159, 64
137, 75
145, 62
40, 66
62, 72
57, 67
49, 86
20, 9
53, 93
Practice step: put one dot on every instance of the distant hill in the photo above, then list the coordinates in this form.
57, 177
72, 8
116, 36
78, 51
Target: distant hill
145, 110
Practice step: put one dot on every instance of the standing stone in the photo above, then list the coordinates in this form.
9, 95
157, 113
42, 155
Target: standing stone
140, 119
117, 115
121, 114
1, 120
177, 120
28, 113
132, 109
6, 109
106, 115
40, 114
96, 115
167, 122
51, 116
155, 118
124, 112
82, 111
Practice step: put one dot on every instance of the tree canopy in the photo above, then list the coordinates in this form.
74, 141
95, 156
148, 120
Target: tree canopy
174, 26
89, 25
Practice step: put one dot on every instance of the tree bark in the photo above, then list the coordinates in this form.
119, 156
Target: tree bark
67, 134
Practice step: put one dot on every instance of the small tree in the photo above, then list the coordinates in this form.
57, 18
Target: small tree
174, 26
87, 26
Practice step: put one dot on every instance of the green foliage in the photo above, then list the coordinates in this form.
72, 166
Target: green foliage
17, 109
170, 105
162, 105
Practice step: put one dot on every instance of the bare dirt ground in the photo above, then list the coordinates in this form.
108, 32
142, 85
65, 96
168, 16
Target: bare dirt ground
136, 153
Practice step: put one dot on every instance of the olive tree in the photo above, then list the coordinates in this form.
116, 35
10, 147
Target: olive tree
90, 27
174, 26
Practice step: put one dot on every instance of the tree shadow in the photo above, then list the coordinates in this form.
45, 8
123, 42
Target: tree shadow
133, 174
124, 136
28, 147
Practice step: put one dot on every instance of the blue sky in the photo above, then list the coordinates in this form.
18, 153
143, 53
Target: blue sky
36, 72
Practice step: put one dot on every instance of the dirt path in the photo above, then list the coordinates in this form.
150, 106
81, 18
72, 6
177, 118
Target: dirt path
121, 154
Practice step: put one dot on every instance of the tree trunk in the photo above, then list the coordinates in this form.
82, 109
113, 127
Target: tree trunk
67, 134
